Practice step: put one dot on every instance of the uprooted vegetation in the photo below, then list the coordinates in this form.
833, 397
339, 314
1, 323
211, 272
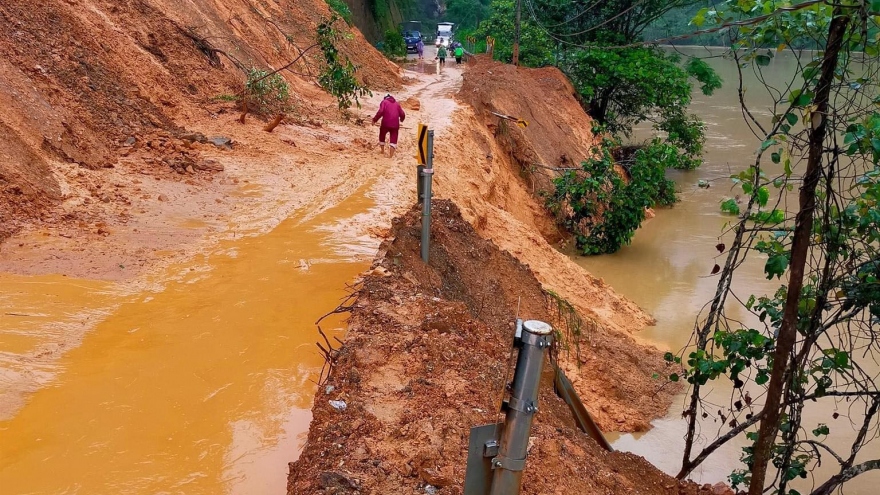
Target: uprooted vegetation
426, 356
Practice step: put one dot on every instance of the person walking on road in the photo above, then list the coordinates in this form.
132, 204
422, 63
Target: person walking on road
420, 48
441, 54
392, 115
459, 52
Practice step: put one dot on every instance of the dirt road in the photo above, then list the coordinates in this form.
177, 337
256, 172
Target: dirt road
190, 265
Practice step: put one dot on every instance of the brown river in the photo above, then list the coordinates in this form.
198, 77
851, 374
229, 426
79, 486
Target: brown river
667, 269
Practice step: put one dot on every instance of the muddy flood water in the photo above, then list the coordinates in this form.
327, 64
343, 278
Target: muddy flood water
666, 271
204, 386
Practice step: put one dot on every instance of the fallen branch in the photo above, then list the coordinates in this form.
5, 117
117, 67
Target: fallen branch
274, 123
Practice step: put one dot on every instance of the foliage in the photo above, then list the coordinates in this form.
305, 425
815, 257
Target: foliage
394, 45
467, 14
816, 335
621, 88
338, 74
266, 95
535, 45
341, 8
601, 206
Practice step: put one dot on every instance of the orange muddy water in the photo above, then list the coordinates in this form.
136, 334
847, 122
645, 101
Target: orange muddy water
205, 386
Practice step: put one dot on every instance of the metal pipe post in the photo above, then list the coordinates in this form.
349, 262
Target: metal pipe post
428, 175
508, 465
420, 169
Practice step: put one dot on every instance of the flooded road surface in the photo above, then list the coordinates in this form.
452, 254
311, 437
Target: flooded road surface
667, 270
203, 387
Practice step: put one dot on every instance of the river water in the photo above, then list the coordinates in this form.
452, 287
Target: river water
667, 270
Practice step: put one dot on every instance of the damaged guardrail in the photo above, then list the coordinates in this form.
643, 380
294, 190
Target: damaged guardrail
497, 452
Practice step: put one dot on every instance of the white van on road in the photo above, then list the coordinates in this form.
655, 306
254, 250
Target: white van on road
445, 32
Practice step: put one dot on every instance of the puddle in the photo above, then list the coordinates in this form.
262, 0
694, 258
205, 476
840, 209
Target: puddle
203, 387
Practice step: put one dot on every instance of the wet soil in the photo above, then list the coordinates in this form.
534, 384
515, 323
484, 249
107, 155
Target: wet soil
426, 357
120, 216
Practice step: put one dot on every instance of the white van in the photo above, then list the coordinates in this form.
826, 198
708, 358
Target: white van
445, 32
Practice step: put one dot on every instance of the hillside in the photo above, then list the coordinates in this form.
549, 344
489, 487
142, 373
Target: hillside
80, 78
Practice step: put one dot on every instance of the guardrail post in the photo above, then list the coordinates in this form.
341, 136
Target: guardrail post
510, 462
427, 175
420, 169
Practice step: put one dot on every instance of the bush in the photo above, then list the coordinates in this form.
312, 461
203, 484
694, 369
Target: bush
394, 44
266, 95
600, 206
342, 9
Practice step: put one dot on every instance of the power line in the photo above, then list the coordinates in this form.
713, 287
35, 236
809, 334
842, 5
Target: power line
592, 28
587, 9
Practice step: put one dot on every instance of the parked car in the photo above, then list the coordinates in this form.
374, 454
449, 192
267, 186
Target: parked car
412, 39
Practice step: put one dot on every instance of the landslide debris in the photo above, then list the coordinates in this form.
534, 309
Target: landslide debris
426, 358
559, 133
81, 78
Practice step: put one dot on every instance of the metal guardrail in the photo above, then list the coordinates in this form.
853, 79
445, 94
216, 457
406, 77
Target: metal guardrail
497, 452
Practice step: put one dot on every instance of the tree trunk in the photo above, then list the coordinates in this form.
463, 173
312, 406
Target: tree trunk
799, 251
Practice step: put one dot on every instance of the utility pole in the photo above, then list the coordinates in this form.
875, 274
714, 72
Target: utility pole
516, 35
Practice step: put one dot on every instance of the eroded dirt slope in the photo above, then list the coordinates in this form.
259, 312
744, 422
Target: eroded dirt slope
559, 133
78, 78
426, 358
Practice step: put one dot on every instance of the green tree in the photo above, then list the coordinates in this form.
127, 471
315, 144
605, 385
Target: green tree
337, 76
819, 330
467, 14
536, 48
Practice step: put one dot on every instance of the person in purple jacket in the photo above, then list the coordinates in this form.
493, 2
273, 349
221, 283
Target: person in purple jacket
392, 115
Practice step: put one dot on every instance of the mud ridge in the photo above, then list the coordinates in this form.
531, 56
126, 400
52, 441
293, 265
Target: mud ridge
425, 359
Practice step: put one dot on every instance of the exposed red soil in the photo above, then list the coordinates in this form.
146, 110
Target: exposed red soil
426, 358
78, 78
559, 133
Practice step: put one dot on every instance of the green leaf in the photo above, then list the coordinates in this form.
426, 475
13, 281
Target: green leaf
673, 377
762, 60
762, 377
820, 430
730, 206
776, 265
762, 196
791, 118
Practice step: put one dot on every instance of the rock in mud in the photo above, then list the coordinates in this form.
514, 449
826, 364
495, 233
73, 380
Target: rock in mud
163, 198
194, 137
435, 478
339, 405
333, 480
221, 142
209, 165
721, 489
412, 103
